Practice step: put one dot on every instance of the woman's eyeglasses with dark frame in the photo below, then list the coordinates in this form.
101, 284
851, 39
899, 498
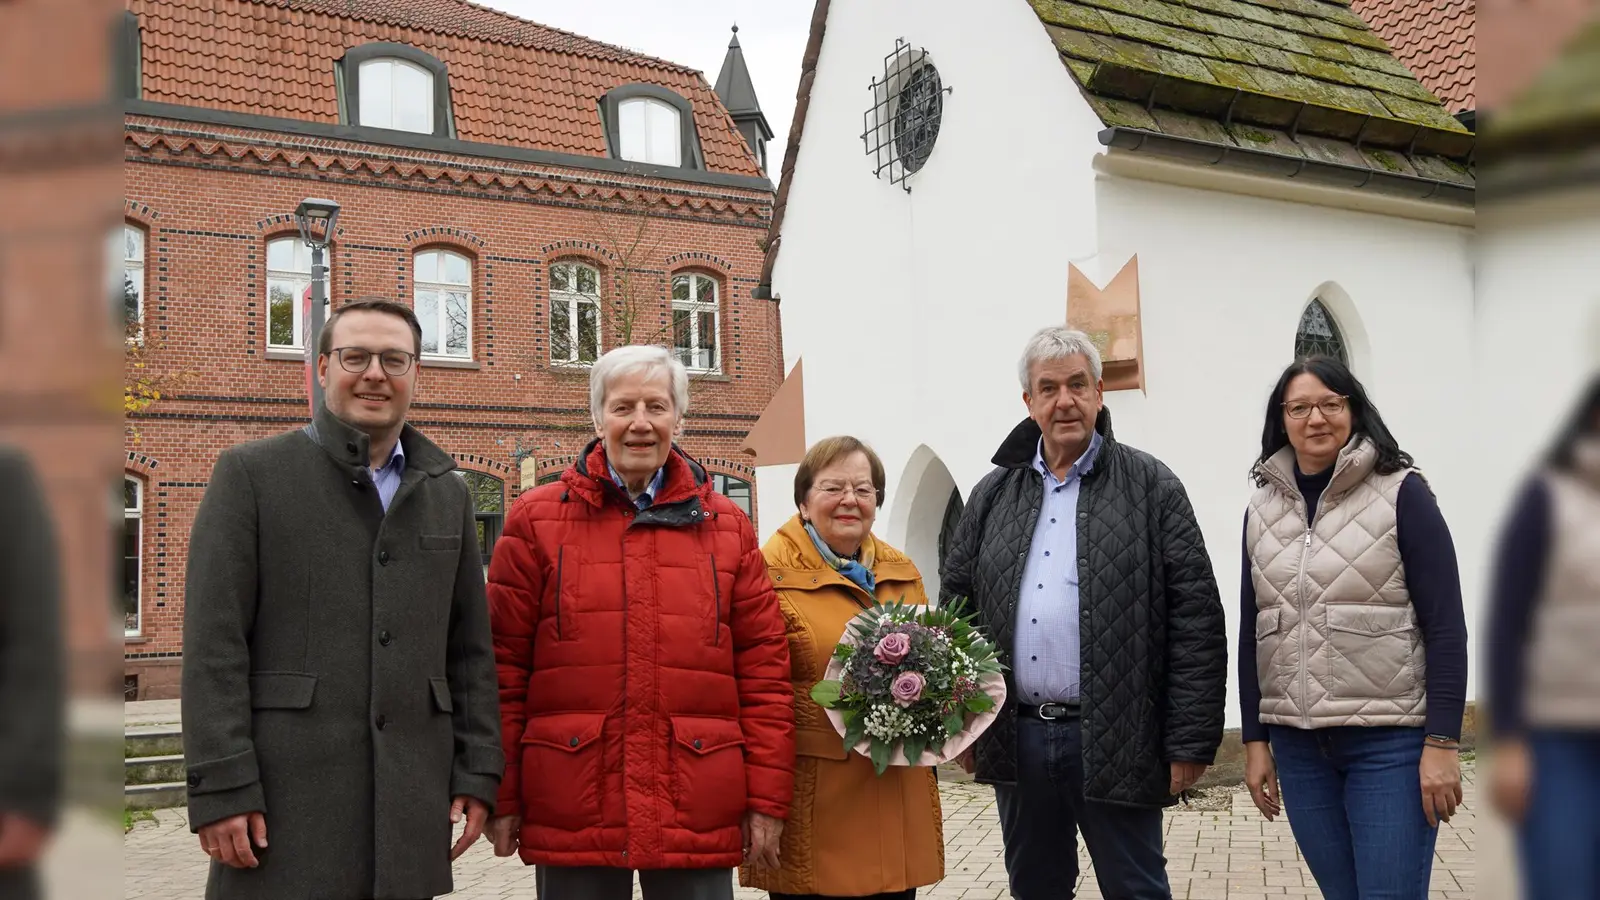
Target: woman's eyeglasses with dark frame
1330, 406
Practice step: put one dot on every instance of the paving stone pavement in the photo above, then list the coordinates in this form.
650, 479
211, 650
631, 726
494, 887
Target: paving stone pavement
1228, 854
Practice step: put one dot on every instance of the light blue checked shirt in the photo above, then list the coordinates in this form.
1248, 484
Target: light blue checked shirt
1047, 645
387, 478
650, 494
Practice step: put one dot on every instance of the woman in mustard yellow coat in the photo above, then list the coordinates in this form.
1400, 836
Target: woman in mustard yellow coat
850, 832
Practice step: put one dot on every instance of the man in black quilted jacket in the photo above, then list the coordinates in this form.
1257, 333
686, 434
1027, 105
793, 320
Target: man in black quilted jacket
1083, 561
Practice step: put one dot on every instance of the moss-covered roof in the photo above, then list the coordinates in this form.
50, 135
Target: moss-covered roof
1560, 111
1302, 78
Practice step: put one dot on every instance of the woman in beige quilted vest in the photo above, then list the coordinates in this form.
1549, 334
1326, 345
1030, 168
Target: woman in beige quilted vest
1544, 685
1352, 647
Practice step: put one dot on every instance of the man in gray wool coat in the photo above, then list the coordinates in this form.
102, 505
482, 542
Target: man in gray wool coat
340, 710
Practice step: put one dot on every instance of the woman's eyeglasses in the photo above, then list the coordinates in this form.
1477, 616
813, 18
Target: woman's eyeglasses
863, 493
1331, 406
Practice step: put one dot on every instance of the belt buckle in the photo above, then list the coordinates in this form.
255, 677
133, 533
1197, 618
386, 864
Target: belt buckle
1053, 711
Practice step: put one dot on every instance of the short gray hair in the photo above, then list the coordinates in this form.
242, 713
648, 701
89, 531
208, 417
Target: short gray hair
648, 359
1052, 343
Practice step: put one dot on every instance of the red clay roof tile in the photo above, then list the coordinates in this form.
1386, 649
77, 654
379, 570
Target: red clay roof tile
512, 81
1434, 38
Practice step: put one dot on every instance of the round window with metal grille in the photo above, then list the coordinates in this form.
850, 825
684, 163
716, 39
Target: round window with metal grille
919, 104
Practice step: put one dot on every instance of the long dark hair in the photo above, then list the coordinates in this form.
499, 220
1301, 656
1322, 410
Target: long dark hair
1580, 425
1364, 417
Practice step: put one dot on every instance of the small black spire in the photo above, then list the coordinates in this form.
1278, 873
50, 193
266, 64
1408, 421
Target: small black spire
738, 93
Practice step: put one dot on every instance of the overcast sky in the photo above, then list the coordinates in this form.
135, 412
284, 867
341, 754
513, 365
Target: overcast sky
695, 33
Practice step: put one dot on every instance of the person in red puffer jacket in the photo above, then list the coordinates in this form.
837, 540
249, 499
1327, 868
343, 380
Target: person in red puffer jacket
645, 696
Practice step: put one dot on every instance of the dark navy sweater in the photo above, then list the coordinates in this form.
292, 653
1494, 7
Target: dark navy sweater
1433, 580
1519, 575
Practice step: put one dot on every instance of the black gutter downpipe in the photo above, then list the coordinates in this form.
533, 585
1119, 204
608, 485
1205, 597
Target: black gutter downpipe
1418, 187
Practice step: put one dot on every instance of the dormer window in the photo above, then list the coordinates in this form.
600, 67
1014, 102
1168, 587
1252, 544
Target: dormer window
396, 94
395, 86
646, 123
650, 132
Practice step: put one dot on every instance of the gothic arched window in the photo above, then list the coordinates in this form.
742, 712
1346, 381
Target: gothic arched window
1318, 335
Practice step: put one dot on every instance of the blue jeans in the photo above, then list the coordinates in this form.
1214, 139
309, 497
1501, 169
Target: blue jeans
1354, 799
1560, 837
1042, 813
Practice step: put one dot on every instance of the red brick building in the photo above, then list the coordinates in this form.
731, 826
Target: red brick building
58, 340
538, 196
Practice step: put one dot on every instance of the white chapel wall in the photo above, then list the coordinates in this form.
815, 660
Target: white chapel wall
910, 309
1224, 280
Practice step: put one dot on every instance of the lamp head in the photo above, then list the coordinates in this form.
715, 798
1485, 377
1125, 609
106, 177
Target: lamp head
317, 220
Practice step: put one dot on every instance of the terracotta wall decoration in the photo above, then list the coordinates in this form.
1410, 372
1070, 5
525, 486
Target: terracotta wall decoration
1110, 316
779, 436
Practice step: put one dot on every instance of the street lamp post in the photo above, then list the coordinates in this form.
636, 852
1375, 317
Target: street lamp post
317, 220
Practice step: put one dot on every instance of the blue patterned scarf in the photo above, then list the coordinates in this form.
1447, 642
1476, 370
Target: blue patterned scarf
860, 574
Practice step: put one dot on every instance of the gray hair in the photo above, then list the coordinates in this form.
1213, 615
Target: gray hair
648, 359
1052, 343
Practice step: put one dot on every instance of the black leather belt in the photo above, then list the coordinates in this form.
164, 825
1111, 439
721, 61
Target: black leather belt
1051, 712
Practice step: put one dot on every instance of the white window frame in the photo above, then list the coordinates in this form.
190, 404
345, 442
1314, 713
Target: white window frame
719, 483
301, 281
396, 96
440, 288
639, 147
133, 267
134, 513
574, 300
697, 307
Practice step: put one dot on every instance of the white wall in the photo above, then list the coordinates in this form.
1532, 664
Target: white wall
1537, 338
1224, 280
908, 307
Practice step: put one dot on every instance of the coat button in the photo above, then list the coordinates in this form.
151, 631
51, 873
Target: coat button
382, 721
357, 482
351, 447
384, 638
697, 744
383, 557
194, 779
573, 742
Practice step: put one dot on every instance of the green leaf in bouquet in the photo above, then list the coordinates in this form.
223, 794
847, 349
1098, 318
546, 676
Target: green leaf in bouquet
880, 755
826, 693
954, 722
855, 728
914, 745
980, 703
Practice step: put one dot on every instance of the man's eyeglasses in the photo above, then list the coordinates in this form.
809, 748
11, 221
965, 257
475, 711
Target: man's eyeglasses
357, 359
1331, 406
864, 493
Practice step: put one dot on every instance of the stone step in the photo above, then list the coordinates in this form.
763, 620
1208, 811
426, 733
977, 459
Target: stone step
154, 770
162, 740
156, 796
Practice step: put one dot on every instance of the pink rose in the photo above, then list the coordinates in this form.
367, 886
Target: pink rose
907, 688
892, 648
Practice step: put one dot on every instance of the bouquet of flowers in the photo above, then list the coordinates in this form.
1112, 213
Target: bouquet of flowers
911, 686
